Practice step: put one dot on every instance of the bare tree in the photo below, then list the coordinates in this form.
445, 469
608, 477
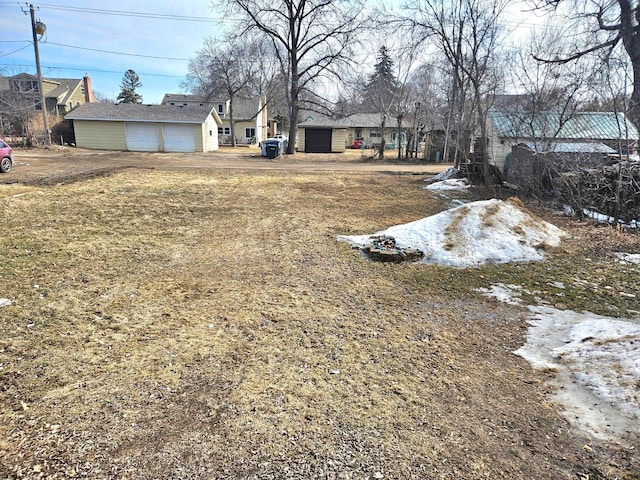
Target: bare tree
426, 102
230, 68
599, 25
310, 39
550, 93
467, 32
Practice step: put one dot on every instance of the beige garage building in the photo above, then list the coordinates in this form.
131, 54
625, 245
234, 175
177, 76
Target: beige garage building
145, 128
319, 134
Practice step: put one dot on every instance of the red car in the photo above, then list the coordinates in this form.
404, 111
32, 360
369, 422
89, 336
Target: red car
6, 157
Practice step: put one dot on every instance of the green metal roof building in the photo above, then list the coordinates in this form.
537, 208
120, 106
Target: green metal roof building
545, 130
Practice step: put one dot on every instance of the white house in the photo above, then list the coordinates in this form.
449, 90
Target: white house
249, 116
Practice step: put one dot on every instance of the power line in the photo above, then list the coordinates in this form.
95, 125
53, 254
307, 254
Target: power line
15, 51
125, 13
115, 53
90, 70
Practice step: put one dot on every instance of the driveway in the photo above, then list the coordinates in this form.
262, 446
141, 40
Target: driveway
68, 164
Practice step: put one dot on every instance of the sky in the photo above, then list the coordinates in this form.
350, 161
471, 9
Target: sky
591, 362
155, 38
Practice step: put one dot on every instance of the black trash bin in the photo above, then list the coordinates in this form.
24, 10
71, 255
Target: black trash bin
272, 150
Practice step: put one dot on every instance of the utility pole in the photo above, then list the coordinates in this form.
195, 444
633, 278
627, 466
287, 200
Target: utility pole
40, 26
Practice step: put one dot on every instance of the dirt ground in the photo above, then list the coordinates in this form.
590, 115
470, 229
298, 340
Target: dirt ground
64, 164
192, 316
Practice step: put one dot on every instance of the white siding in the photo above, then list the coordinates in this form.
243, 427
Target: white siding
179, 137
142, 137
209, 135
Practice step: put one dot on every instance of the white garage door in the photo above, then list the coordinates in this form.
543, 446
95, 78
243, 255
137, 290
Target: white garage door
179, 137
142, 137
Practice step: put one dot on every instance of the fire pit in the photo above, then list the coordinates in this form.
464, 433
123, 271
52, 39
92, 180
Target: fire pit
383, 248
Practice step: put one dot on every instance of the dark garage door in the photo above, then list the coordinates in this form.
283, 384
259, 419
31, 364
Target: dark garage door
317, 140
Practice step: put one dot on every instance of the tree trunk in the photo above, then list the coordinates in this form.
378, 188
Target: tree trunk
482, 115
294, 108
382, 142
293, 126
634, 107
399, 137
232, 124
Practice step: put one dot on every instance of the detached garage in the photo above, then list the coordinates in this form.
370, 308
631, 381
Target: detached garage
321, 135
145, 128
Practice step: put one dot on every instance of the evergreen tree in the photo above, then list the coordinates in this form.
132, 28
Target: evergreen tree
380, 93
128, 94
382, 86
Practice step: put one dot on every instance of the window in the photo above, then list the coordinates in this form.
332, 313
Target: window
220, 108
249, 132
37, 104
224, 130
172, 103
375, 133
25, 86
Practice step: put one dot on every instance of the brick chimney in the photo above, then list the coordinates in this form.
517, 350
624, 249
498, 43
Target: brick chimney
88, 94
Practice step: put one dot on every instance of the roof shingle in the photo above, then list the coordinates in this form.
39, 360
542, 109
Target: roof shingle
140, 112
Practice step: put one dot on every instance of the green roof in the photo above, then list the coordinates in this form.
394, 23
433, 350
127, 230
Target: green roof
580, 126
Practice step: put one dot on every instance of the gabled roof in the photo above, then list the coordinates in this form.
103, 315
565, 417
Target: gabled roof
246, 108
570, 147
243, 108
183, 97
64, 89
580, 126
61, 88
357, 120
127, 112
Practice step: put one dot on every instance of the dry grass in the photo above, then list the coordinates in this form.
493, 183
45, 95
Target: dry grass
209, 326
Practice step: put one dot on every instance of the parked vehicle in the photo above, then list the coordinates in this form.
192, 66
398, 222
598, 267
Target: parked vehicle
6, 157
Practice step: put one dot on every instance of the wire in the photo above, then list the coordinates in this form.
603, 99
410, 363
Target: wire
90, 69
116, 53
132, 14
15, 51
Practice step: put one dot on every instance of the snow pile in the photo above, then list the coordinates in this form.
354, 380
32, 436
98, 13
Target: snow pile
451, 184
489, 231
597, 365
5, 302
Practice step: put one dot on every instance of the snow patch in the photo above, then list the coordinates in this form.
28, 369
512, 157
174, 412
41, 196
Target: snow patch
628, 257
596, 361
505, 293
451, 184
444, 175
